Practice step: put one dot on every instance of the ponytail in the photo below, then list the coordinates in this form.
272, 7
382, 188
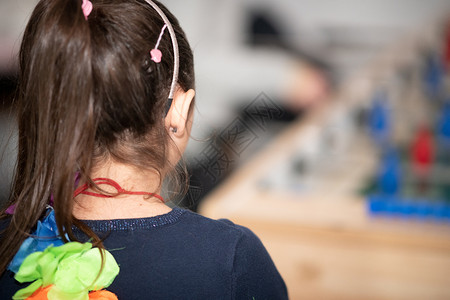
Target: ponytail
56, 119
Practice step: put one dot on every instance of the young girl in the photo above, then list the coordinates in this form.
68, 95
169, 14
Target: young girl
105, 111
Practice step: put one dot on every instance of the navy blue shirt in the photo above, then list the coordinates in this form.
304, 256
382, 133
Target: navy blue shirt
182, 255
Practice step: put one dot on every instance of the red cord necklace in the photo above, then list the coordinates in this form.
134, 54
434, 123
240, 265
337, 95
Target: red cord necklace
84, 189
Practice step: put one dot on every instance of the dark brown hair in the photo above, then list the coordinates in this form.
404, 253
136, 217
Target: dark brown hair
88, 90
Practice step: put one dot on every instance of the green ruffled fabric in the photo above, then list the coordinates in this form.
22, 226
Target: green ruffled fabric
73, 269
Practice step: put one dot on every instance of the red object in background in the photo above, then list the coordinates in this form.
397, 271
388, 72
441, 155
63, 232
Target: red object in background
447, 47
423, 150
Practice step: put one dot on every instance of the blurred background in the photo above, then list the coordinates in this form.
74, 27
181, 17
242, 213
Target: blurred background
323, 125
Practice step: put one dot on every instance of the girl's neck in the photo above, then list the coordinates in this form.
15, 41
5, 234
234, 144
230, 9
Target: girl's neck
122, 206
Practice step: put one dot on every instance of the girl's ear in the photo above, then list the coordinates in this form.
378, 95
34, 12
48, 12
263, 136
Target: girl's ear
178, 115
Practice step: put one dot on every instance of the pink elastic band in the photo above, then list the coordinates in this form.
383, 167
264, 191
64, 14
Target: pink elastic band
155, 52
86, 6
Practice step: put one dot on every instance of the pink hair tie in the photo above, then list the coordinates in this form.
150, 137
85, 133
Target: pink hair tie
155, 52
86, 6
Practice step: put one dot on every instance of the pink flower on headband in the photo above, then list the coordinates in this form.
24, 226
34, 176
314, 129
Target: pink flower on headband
86, 6
155, 52
156, 55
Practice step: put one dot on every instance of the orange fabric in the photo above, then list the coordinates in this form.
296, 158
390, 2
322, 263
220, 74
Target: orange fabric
40, 293
102, 295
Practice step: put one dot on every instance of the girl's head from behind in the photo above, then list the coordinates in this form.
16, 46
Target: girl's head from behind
89, 92
90, 88
98, 73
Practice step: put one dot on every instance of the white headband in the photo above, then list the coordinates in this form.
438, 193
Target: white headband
176, 64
